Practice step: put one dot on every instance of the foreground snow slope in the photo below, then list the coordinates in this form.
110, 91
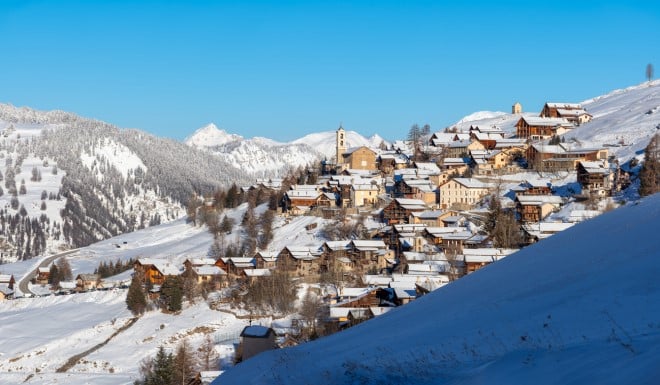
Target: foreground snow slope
579, 307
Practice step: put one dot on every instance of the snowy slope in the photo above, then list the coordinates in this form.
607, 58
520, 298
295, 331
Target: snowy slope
630, 116
572, 309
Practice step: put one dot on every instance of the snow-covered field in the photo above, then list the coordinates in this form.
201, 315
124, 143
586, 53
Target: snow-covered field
579, 307
42, 333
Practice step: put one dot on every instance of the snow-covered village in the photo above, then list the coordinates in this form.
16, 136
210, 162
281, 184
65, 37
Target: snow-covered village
329, 193
355, 235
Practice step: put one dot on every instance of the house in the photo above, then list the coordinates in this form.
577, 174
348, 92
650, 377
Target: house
364, 194
462, 192
265, 259
536, 128
299, 260
595, 177
390, 161
489, 161
208, 274
87, 282
413, 188
5, 292
369, 255
400, 209
561, 157
335, 259
195, 262
535, 232
252, 275
154, 271
475, 259
43, 276
360, 158
462, 148
7, 280
300, 201
534, 187
256, 339
534, 208
573, 112
431, 218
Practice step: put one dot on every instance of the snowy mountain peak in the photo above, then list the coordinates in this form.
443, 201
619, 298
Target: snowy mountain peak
211, 136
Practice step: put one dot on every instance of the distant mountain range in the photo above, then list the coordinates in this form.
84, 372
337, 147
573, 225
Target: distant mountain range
268, 157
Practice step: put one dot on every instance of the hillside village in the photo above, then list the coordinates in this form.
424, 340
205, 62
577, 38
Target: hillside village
367, 230
423, 207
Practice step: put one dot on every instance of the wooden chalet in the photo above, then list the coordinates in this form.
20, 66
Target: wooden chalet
475, 259
400, 209
369, 255
154, 271
533, 208
572, 112
561, 157
234, 266
535, 232
300, 261
537, 128
431, 218
594, 177
43, 276
87, 282
256, 339
265, 259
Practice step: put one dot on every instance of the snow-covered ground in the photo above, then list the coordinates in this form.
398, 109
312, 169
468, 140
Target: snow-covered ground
579, 307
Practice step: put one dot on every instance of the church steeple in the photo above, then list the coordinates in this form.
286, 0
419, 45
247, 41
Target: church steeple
341, 143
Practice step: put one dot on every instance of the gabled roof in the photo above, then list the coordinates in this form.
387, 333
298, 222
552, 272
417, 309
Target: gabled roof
337, 245
564, 105
257, 272
353, 149
304, 194
545, 122
535, 200
209, 270
370, 244
469, 182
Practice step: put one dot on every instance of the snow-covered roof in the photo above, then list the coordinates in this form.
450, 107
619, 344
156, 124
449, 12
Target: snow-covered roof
539, 199
370, 244
256, 331
470, 182
257, 272
545, 122
209, 270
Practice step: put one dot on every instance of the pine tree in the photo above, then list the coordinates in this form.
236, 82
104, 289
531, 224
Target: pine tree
136, 299
172, 293
160, 370
649, 175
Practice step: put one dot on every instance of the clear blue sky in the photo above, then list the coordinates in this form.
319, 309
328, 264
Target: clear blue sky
283, 69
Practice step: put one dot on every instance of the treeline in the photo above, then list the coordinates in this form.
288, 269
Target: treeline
108, 269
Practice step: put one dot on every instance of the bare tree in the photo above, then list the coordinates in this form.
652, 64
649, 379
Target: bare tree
208, 356
649, 72
185, 364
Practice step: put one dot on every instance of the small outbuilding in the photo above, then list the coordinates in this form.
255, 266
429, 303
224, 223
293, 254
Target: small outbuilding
256, 339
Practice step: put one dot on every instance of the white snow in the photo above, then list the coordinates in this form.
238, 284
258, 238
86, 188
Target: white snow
116, 155
210, 136
579, 307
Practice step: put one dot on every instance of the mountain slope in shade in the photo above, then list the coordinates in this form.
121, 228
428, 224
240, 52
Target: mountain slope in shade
579, 307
